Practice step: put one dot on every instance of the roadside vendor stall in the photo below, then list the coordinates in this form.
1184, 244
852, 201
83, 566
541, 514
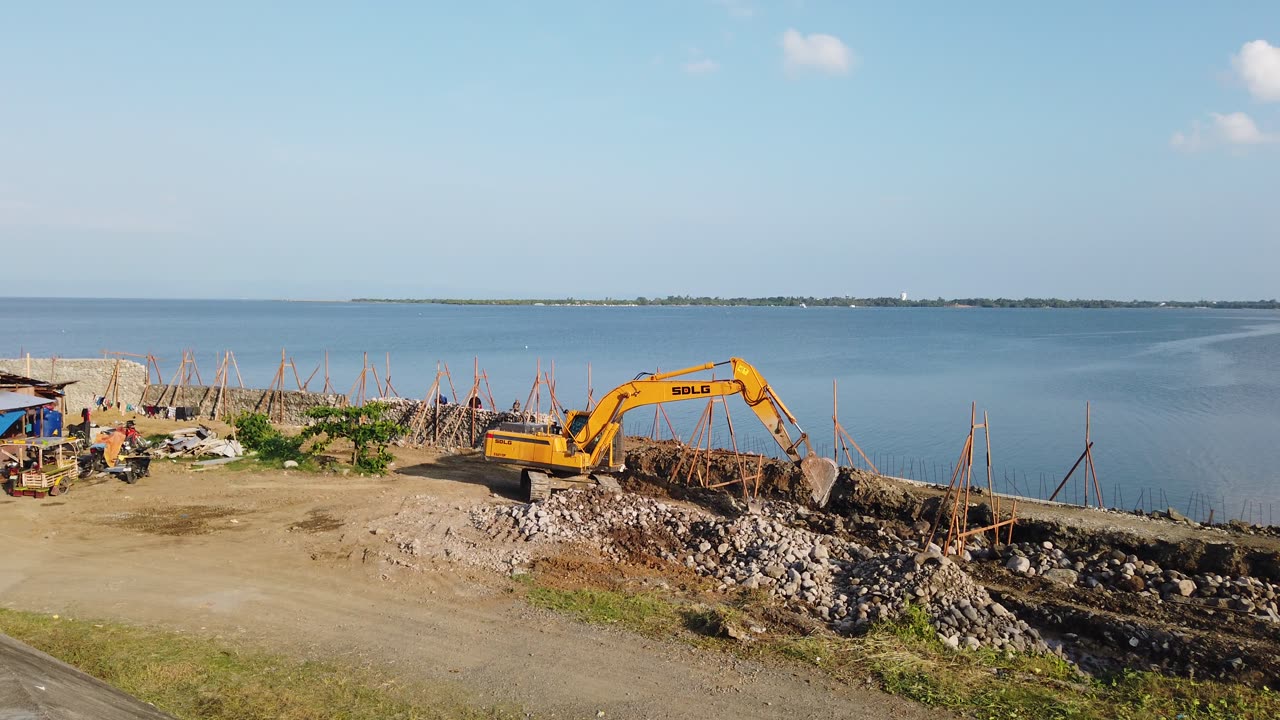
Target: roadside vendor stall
39, 466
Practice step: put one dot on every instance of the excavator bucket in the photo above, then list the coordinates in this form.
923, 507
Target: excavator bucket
820, 473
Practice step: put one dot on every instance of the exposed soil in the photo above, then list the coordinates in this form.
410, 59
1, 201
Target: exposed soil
303, 571
390, 572
176, 521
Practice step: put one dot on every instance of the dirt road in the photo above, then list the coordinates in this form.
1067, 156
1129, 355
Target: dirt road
288, 562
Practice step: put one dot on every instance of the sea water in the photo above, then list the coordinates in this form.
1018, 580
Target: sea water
1185, 403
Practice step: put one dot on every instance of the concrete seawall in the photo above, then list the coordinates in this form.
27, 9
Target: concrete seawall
91, 376
287, 407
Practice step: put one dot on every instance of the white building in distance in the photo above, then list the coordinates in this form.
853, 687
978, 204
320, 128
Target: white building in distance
904, 295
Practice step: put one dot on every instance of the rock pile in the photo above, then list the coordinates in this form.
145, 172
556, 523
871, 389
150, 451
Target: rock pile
843, 583
1117, 570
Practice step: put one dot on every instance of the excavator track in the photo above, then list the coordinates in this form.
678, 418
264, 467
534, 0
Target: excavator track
535, 485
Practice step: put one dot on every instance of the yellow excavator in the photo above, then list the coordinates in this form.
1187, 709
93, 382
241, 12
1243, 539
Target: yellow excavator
590, 444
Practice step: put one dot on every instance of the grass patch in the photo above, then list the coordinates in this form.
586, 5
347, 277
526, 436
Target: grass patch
644, 613
906, 658
195, 678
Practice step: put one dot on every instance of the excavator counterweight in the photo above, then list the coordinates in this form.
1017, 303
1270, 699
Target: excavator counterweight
589, 447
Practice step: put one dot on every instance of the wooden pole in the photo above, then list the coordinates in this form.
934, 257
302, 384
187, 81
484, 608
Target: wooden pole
835, 423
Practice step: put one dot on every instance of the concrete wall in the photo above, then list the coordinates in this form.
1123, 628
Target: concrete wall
37, 685
91, 376
290, 410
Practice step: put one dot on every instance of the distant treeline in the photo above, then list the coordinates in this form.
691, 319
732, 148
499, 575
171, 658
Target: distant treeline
781, 301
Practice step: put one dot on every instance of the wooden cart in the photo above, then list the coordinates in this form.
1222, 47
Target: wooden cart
41, 466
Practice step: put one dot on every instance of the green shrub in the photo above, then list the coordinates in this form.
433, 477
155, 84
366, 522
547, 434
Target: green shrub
364, 426
253, 430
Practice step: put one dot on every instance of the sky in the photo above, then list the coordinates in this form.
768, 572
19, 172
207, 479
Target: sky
315, 150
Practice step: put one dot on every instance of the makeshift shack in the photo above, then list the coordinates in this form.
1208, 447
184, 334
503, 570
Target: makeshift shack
54, 392
23, 415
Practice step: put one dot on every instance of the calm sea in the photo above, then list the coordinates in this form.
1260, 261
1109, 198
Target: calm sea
1186, 403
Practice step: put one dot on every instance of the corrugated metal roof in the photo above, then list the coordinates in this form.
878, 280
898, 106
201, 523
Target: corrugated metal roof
18, 401
12, 380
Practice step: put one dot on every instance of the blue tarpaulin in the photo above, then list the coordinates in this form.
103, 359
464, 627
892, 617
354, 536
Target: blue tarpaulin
7, 419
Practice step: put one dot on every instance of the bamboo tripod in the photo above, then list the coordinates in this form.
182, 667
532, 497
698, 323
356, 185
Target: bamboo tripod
275, 393
1090, 472
431, 404
328, 388
956, 502
474, 401
219, 410
695, 459
842, 437
533, 403
187, 369
358, 393
112, 391
660, 414
152, 364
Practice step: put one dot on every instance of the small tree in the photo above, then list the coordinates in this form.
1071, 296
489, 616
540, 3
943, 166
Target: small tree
364, 426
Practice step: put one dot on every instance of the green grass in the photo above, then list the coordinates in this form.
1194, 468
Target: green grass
196, 678
905, 658
644, 613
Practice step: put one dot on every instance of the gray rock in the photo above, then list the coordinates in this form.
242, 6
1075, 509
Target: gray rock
930, 556
1185, 588
1018, 564
1061, 576
775, 570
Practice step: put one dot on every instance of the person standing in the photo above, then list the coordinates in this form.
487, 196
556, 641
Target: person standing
84, 419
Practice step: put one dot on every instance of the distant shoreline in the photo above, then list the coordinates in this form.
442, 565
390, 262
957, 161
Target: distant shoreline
959, 303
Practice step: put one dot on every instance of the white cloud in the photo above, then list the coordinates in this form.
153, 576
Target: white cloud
1258, 64
704, 66
1230, 129
1238, 128
817, 50
737, 8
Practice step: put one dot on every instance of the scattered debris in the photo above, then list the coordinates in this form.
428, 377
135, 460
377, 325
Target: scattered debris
198, 442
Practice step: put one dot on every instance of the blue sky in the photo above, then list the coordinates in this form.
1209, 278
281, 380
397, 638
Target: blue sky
591, 149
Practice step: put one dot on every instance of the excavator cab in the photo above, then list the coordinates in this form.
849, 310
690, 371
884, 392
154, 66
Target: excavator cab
576, 420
